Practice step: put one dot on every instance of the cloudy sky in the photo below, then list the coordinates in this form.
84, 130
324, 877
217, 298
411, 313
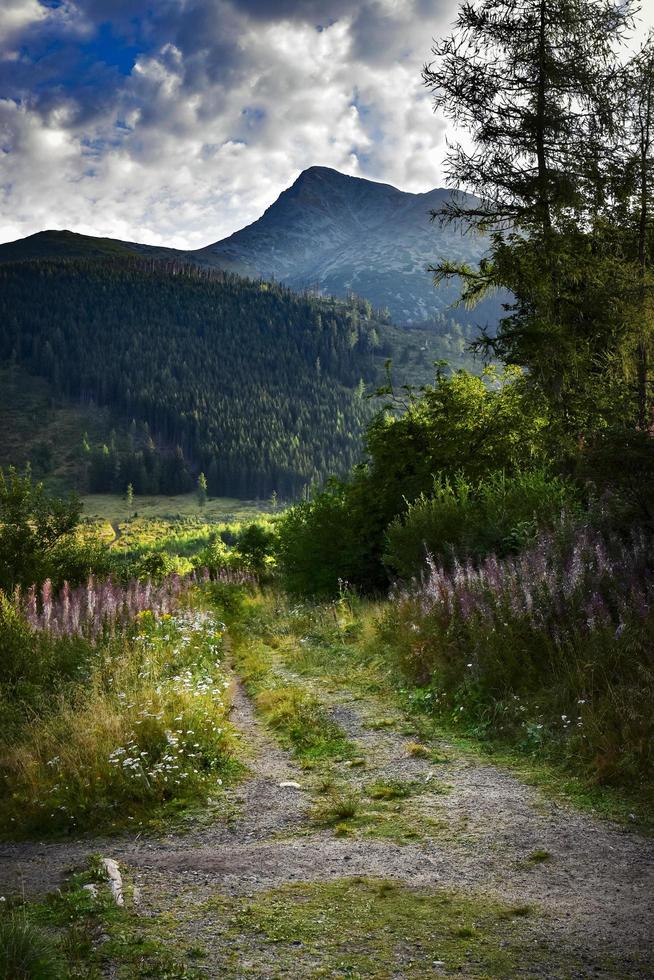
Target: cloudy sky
178, 121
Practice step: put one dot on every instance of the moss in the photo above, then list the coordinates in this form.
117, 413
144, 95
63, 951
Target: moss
374, 928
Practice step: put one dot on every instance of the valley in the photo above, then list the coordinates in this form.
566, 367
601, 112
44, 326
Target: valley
327, 538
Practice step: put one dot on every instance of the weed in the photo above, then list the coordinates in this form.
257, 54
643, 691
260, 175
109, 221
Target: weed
146, 729
26, 952
391, 789
517, 912
303, 723
539, 856
381, 723
339, 807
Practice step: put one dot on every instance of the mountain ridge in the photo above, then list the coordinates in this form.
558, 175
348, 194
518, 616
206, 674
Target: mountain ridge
328, 232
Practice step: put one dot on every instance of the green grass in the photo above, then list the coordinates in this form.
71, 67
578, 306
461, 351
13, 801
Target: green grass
113, 508
294, 712
339, 644
89, 937
27, 952
336, 808
393, 789
302, 723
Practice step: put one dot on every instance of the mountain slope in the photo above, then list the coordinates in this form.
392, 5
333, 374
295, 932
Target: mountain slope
342, 234
255, 385
330, 233
69, 245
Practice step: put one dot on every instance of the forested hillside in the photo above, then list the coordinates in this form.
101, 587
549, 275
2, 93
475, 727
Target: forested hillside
258, 387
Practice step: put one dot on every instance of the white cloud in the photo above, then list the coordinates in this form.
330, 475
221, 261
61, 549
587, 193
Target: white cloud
16, 15
197, 141
227, 105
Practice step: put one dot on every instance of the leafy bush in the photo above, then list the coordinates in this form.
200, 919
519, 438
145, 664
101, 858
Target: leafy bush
500, 514
255, 544
461, 427
32, 524
320, 543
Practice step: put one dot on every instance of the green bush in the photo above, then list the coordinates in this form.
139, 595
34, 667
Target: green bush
551, 649
500, 514
461, 427
323, 542
32, 663
32, 525
255, 544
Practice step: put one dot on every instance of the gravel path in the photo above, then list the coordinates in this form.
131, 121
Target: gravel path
596, 889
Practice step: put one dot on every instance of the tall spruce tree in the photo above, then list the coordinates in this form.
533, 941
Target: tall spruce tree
633, 218
535, 84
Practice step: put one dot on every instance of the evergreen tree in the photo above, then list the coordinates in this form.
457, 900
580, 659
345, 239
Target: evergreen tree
536, 85
528, 81
202, 490
228, 384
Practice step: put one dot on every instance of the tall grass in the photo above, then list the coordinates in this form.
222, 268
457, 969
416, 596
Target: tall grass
553, 647
113, 706
148, 726
27, 953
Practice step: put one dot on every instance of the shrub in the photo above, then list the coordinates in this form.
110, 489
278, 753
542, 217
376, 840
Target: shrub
462, 424
31, 525
500, 514
255, 544
319, 543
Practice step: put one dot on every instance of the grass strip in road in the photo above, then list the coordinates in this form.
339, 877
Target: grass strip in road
293, 712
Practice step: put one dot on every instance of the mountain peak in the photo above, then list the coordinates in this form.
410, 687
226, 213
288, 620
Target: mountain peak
336, 178
336, 234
